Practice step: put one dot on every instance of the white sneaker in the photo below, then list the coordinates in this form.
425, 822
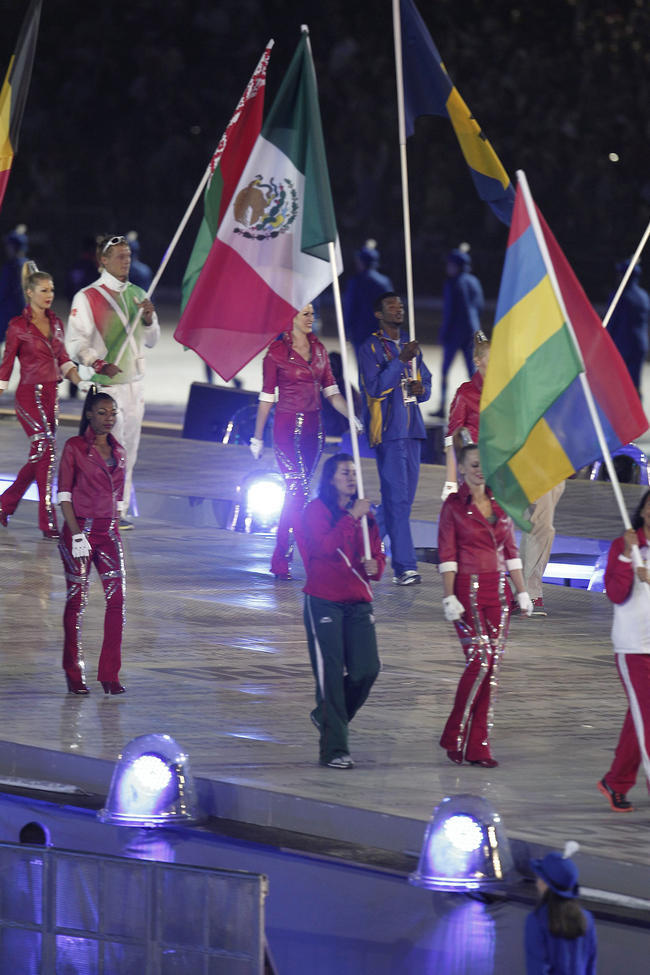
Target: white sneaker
408, 578
340, 761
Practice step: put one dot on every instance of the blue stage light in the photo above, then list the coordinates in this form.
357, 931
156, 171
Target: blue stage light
465, 847
152, 785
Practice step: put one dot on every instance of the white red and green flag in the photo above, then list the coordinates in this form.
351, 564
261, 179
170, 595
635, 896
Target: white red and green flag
226, 167
270, 257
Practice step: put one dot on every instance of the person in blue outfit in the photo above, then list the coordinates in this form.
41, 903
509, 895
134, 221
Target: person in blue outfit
560, 936
394, 425
139, 272
462, 304
361, 294
628, 325
12, 299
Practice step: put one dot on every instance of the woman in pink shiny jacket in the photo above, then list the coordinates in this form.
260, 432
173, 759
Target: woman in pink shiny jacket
298, 366
35, 338
476, 545
91, 486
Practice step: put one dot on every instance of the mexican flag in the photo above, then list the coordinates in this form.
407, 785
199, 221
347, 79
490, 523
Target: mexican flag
225, 169
270, 257
13, 94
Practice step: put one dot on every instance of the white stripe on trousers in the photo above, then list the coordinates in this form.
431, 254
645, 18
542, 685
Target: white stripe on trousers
635, 711
320, 668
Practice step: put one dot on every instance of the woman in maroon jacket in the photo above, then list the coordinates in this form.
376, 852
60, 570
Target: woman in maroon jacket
338, 604
35, 338
297, 364
464, 412
91, 485
476, 544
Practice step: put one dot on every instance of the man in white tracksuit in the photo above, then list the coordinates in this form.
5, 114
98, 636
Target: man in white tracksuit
110, 324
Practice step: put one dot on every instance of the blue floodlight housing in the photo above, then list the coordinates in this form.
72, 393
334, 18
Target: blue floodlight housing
465, 847
152, 785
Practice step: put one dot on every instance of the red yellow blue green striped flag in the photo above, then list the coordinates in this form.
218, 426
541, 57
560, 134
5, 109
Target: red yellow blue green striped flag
13, 94
535, 423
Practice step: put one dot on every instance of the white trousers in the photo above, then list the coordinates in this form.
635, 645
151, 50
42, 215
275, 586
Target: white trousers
130, 400
535, 546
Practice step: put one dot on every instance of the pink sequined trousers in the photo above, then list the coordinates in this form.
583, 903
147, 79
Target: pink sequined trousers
298, 444
482, 632
108, 558
36, 409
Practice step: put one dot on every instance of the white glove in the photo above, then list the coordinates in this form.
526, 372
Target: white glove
525, 603
453, 608
451, 487
256, 447
358, 425
80, 546
84, 385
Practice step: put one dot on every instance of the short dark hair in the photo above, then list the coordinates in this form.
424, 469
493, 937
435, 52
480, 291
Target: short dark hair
637, 520
327, 493
379, 302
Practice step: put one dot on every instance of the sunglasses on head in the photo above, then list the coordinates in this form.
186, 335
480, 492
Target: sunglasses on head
112, 242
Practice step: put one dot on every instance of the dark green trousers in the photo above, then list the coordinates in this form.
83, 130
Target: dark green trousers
343, 653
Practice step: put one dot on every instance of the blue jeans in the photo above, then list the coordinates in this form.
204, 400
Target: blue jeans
398, 462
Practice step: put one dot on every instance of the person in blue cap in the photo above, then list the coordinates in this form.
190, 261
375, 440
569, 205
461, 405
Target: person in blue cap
628, 325
462, 304
361, 294
560, 936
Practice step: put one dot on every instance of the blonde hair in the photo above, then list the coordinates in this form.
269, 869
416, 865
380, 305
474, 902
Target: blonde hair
30, 274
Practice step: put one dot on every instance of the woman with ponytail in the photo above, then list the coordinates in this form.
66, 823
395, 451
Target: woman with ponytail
35, 338
91, 488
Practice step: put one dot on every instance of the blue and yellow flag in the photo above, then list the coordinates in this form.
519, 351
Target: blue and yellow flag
428, 90
535, 425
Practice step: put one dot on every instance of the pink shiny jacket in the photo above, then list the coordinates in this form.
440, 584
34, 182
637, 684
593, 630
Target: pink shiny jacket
299, 382
465, 406
468, 544
41, 360
85, 479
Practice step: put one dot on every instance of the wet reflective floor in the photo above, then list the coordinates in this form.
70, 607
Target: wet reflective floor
215, 655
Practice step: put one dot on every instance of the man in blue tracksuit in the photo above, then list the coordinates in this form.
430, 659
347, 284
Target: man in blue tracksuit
462, 304
394, 424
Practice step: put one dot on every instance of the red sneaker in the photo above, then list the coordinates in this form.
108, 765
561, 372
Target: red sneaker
617, 800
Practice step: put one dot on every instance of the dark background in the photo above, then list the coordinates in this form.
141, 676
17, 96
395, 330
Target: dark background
129, 99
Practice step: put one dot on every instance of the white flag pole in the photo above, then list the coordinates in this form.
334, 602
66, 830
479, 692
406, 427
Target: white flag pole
209, 171
593, 412
630, 268
344, 360
406, 211
348, 394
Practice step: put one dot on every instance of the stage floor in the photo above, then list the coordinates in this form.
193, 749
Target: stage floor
215, 655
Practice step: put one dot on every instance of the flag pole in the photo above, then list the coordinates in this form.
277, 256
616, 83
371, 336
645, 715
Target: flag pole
304, 29
348, 394
628, 271
406, 211
209, 170
593, 412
